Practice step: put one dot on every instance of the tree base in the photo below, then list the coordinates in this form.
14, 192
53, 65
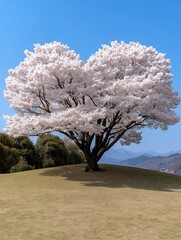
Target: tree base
94, 169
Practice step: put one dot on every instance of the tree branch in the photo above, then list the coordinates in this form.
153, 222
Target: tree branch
42, 97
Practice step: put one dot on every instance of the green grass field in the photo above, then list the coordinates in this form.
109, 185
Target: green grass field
68, 203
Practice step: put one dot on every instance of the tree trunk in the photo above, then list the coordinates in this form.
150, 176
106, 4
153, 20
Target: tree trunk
91, 163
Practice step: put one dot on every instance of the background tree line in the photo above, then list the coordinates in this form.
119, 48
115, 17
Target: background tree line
21, 154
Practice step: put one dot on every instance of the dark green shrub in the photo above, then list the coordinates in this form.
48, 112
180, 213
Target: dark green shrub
6, 140
75, 155
27, 149
22, 165
24, 148
8, 158
52, 150
48, 162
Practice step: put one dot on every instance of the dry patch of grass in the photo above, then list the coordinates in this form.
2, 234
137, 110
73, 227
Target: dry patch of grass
67, 203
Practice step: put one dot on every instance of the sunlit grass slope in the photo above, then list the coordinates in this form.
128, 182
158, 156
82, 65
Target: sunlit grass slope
68, 203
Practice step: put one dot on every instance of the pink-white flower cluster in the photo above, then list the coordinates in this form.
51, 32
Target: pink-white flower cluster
53, 90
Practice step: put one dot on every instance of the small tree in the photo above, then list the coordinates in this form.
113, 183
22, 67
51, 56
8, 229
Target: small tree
26, 148
75, 154
119, 90
52, 150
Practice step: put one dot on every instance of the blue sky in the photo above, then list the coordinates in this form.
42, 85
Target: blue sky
85, 25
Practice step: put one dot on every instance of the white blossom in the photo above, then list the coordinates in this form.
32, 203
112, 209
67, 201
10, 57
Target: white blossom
120, 89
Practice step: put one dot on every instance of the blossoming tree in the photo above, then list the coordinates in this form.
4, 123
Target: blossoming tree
119, 90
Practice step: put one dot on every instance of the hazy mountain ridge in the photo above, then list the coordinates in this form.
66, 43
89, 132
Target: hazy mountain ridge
168, 162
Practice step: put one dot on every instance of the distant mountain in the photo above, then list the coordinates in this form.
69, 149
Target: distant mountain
170, 153
169, 164
152, 153
137, 160
114, 156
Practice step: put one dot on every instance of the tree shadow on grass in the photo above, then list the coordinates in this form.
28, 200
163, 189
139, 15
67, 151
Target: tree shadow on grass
118, 177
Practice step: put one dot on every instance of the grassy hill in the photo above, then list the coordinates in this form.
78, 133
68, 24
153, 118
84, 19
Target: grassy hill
65, 203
